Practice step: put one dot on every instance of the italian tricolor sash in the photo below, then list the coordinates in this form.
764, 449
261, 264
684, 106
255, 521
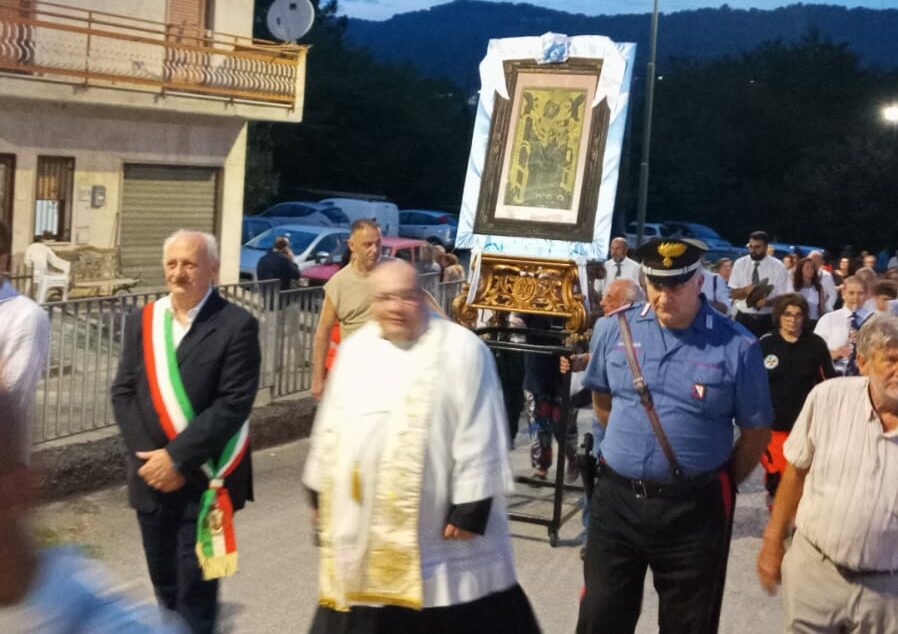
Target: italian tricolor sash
216, 546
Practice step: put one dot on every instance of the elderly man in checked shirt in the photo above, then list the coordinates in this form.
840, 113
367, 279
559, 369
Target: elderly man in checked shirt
840, 573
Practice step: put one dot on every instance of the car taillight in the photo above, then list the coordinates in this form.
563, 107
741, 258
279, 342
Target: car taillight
444, 220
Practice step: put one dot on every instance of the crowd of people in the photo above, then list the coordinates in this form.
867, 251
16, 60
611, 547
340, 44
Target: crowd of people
408, 473
828, 457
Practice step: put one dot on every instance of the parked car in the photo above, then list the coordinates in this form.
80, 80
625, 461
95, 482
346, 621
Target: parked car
385, 213
255, 225
403, 248
680, 229
309, 244
437, 227
651, 230
322, 214
718, 247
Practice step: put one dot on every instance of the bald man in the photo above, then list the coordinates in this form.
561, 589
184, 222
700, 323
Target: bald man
410, 472
618, 266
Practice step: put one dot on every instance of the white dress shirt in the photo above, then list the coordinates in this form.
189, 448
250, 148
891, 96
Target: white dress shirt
629, 270
179, 330
24, 346
715, 289
829, 288
813, 299
849, 507
834, 328
770, 268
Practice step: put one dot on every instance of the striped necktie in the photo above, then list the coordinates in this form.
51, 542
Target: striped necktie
617, 271
854, 324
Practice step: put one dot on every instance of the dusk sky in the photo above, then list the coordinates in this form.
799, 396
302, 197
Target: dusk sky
383, 9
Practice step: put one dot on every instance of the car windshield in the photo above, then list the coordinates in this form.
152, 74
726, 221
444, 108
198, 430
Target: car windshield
288, 210
299, 240
650, 229
335, 215
701, 231
337, 255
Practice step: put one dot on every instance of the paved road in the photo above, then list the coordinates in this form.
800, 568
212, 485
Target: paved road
275, 590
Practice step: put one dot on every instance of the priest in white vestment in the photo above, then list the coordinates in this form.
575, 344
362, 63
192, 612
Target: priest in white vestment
409, 472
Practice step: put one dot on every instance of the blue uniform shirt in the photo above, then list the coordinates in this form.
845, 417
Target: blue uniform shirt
70, 595
702, 379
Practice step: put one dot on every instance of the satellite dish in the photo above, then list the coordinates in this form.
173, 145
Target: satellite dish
289, 20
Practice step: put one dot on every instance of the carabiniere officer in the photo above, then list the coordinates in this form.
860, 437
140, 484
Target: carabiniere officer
671, 508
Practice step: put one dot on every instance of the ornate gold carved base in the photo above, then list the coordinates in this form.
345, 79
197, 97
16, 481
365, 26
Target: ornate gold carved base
526, 285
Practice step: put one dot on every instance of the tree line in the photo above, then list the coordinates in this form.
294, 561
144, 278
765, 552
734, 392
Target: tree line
787, 137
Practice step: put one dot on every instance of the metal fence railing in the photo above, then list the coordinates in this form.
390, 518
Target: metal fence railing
86, 342
22, 279
85, 347
295, 333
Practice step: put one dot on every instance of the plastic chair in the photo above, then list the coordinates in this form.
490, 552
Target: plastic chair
41, 258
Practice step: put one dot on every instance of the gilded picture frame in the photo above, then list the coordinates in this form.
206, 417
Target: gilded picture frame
543, 166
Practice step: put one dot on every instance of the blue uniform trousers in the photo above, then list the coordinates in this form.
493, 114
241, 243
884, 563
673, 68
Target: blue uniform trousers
682, 533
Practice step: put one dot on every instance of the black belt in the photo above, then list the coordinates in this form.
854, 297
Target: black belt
847, 573
654, 489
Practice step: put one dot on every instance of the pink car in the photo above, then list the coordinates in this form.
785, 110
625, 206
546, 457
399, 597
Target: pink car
403, 248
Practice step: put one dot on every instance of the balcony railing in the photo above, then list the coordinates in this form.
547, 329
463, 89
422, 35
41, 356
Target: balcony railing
93, 48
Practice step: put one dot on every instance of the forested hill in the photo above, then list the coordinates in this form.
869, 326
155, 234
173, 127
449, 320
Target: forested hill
449, 40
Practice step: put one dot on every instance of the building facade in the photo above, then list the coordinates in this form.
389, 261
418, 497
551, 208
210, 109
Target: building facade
123, 120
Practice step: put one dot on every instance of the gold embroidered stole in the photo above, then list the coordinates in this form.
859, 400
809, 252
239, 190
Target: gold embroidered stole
391, 570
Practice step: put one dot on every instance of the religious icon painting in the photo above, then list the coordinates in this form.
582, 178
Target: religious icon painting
543, 166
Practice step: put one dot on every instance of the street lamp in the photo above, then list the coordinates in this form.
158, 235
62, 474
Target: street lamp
643, 194
890, 116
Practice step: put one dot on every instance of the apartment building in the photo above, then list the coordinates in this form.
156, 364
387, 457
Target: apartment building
122, 120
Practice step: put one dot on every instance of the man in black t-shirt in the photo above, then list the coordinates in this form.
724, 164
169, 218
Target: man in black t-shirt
796, 360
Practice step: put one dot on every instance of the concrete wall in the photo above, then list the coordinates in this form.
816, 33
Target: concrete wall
139, 9
102, 140
234, 17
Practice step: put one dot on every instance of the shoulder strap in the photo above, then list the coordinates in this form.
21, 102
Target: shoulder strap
642, 389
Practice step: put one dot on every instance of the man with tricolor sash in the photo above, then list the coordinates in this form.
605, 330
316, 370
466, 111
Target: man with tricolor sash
409, 471
182, 397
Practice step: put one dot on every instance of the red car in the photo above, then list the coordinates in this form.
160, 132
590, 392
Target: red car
407, 249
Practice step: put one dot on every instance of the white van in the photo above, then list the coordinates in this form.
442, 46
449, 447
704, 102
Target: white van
385, 213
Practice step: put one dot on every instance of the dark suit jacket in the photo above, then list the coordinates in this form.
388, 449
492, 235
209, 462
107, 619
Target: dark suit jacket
219, 360
277, 266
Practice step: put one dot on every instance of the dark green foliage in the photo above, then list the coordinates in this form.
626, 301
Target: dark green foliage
786, 138
463, 28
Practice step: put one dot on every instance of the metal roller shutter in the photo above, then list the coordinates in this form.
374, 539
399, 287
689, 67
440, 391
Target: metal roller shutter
156, 201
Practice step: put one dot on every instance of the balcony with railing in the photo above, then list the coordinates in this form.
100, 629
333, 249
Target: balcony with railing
57, 44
